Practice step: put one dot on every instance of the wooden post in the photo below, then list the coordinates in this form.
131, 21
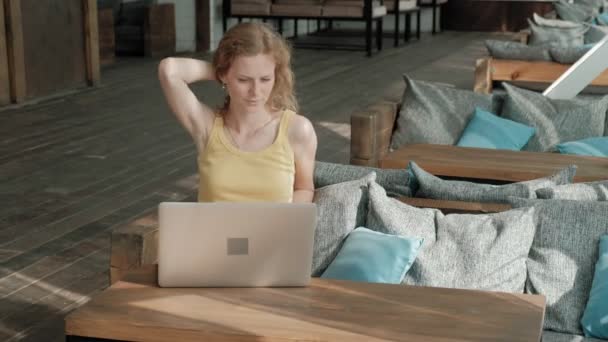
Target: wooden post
203, 28
91, 32
15, 53
5, 86
483, 76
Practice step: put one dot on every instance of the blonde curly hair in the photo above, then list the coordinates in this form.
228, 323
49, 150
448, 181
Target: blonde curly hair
250, 39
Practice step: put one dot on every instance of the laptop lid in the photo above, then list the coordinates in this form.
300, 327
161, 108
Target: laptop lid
235, 244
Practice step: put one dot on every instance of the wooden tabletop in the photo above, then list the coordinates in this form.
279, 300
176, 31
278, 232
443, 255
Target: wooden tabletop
501, 165
328, 310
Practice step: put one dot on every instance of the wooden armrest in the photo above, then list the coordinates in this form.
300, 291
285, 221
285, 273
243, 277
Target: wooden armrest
455, 206
133, 245
371, 131
483, 76
136, 243
523, 36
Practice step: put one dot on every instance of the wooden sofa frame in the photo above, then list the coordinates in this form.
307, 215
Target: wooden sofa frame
540, 74
135, 243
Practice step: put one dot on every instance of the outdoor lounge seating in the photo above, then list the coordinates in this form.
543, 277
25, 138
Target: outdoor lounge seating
516, 223
443, 120
367, 11
530, 74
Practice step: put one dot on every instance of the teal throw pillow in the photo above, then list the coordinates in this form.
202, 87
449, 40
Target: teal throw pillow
374, 257
487, 130
602, 19
595, 317
596, 147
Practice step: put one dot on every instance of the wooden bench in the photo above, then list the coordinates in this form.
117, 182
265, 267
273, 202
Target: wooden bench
136, 243
367, 11
532, 74
497, 166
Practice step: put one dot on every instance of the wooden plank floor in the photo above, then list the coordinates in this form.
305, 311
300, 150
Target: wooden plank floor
75, 167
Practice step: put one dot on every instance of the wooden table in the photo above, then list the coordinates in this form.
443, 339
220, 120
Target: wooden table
328, 310
500, 165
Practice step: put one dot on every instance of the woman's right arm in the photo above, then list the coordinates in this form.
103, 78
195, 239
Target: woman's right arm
175, 74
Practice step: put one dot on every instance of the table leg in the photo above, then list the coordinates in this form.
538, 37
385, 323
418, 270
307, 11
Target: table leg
418, 25
408, 23
396, 36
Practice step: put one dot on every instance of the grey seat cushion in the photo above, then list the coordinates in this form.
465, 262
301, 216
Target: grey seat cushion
486, 252
395, 181
341, 208
552, 336
504, 49
435, 114
563, 255
591, 191
573, 12
568, 54
563, 36
555, 120
595, 34
430, 186
554, 22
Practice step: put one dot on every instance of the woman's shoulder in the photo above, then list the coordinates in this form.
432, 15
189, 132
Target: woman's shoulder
300, 128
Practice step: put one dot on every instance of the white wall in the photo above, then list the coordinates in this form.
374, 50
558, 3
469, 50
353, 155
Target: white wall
185, 24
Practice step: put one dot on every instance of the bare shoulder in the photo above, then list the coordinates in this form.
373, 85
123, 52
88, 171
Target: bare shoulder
301, 131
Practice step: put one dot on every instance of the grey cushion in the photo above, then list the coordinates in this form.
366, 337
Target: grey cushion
396, 182
554, 22
563, 256
435, 114
562, 36
555, 120
595, 34
341, 208
551, 336
568, 54
593, 4
573, 12
486, 252
591, 191
430, 186
504, 49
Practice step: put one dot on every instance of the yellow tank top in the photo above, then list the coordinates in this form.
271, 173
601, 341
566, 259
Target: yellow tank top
228, 174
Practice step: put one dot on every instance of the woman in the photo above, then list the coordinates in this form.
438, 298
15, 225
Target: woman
254, 148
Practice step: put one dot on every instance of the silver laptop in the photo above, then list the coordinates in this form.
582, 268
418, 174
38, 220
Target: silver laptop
235, 244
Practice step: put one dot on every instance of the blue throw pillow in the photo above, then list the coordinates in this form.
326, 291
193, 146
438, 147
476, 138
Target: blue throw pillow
596, 147
373, 257
487, 130
595, 317
602, 19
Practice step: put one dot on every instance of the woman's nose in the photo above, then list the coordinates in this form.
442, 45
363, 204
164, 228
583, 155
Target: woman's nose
254, 88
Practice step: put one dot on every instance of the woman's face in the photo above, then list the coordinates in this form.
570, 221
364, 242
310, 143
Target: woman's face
249, 82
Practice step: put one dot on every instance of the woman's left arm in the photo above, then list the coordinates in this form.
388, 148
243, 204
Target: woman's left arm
303, 141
